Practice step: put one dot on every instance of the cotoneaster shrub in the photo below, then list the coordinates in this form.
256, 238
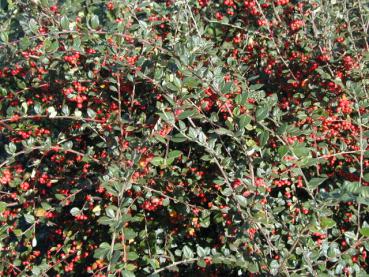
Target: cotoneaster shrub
184, 138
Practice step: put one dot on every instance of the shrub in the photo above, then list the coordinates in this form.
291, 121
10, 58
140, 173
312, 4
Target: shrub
184, 138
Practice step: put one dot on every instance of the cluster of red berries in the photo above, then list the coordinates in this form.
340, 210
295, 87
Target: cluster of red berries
153, 204
72, 59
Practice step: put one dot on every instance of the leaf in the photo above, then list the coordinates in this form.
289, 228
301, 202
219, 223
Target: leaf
178, 138
12, 148
366, 177
174, 154
157, 161
350, 235
4, 36
201, 263
95, 21
186, 114
244, 120
262, 113
76, 43
78, 113
126, 273
91, 113
65, 110
315, 182
282, 150
64, 22
187, 252
365, 231
52, 112
29, 218
300, 150
167, 116
34, 242
227, 192
105, 220
131, 267
327, 223
25, 43
105, 245
37, 108
129, 234
253, 267
40, 212
190, 82
3, 206
75, 211
113, 88
110, 212
33, 26
263, 137
256, 87
242, 200
200, 251
132, 256
223, 131
100, 253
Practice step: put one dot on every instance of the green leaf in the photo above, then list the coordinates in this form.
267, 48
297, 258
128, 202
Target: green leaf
315, 182
174, 154
52, 112
300, 150
244, 120
76, 43
227, 192
11, 148
95, 21
167, 116
200, 251
65, 110
132, 256
105, 245
262, 113
242, 200
91, 113
366, 177
129, 234
110, 212
282, 150
29, 218
191, 82
25, 43
187, 252
75, 211
157, 161
327, 223
64, 23
4, 36
130, 267
101, 253
256, 87
253, 267
3, 206
34, 242
33, 26
126, 273
177, 138
105, 220
365, 231
263, 137
201, 263
186, 114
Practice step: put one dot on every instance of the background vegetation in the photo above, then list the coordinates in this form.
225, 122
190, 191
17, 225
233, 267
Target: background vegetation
184, 138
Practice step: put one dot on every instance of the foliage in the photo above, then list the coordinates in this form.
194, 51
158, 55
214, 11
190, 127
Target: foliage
191, 137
